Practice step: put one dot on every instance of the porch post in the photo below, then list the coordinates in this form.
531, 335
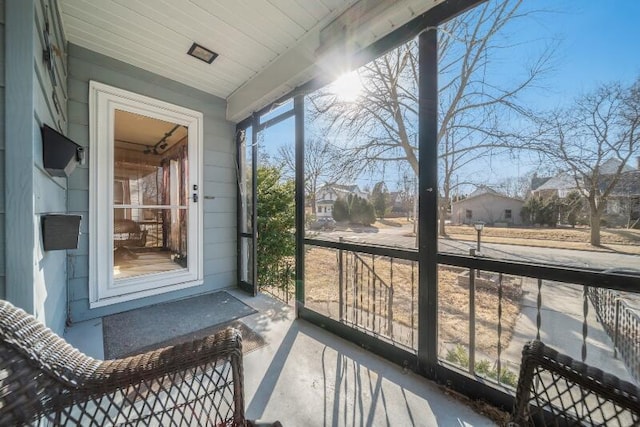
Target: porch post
298, 106
428, 202
254, 202
20, 125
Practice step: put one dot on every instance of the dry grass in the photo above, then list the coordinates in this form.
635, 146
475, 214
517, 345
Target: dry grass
581, 235
321, 284
453, 311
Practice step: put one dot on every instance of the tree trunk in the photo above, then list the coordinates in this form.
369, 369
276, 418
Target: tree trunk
442, 209
312, 195
595, 232
595, 215
443, 204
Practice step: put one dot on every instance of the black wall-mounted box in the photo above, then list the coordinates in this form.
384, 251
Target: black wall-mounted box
60, 154
60, 231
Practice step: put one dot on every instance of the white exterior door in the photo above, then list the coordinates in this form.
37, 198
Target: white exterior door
145, 214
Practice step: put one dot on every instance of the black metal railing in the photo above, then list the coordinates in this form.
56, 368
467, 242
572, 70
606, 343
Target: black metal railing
622, 323
367, 296
279, 282
487, 308
373, 290
564, 312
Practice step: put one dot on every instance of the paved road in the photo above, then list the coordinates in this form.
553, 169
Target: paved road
397, 237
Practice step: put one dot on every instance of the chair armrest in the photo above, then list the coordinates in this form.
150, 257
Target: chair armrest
553, 385
43, 378
226, 344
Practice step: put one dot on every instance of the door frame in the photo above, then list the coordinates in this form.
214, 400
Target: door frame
103, 288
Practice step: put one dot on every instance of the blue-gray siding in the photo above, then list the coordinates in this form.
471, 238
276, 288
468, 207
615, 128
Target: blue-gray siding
2, 241
50, 194
219, 175
35, 280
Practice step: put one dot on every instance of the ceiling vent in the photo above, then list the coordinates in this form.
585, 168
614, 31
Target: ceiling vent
202, 53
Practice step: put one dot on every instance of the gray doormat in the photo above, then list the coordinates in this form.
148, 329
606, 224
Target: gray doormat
251, 340
124, 333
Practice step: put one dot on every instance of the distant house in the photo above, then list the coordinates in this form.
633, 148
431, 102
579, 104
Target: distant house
402, 203
623, 203
560, 185
489, 206
329, 193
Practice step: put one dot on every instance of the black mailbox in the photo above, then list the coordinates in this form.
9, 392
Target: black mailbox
60, 154
60, 231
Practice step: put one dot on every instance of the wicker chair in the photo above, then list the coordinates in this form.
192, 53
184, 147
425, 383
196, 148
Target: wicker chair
555, 390
127, 233
45, 380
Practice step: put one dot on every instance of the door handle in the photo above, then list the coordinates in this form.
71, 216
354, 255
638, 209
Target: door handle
195, 197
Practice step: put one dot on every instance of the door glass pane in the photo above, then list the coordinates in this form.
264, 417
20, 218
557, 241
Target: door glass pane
150, 196
246, 259
246, 186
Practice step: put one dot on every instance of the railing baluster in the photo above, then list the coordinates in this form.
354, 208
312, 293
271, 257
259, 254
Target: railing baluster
357, 286
585, 326
341, 290
371, 296
472, 321
499, 326
354, 285
390, 299
413, 302
539, 308
616, 328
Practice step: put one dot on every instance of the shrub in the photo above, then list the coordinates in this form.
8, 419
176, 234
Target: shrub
354, 209
276, 224
380, 198
460, 357
340, 210
537, 210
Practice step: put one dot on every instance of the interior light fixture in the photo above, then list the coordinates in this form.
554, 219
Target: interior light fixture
202, 53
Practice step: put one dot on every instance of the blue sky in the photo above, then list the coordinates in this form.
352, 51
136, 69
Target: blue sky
599, 42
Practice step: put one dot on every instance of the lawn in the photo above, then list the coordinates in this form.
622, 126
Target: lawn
612, 236
321, 289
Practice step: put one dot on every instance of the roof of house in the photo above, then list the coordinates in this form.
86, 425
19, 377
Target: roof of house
483, 190
537, 181
629, 180
341, 188
611, 166
562, 181
628, 184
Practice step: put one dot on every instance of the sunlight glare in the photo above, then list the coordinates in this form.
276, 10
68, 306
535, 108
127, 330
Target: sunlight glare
347, 87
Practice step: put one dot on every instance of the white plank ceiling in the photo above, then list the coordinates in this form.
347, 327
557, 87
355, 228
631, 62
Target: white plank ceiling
250, 37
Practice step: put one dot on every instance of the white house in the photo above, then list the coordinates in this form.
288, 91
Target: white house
489, 206
329, 193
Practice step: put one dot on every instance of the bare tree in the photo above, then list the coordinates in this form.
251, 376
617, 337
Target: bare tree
322, 162
593, 140
474, 106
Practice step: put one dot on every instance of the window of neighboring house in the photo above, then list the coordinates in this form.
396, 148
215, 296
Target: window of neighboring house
469, 214
507, 214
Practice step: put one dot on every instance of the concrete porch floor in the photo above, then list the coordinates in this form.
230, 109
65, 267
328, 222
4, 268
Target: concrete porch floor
306, 376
